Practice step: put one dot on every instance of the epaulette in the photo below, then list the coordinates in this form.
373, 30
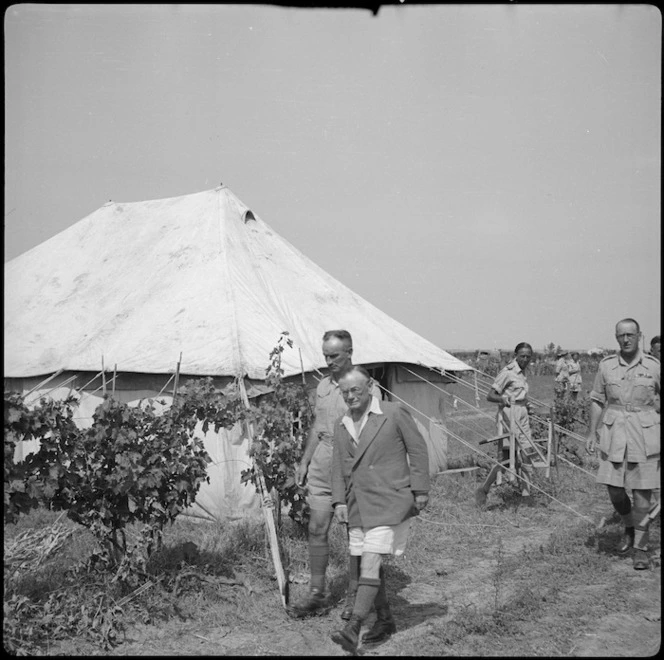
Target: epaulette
609, 357
651, 357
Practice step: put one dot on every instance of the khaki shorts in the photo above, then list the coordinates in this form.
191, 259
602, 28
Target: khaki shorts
319, 478
383, 540
635, 476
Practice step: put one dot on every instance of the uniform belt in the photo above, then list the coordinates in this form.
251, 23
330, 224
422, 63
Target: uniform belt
627, 406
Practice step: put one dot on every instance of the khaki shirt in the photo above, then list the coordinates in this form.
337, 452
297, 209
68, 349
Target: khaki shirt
630, 424
562, 373
574, 371
330, 406
512, 381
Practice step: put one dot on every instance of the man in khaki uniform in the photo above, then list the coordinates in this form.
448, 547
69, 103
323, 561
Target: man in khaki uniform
624, 417
561, 383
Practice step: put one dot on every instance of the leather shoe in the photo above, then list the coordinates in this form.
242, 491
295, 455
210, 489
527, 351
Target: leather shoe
626, 542
347, 613
348, 638
380, 631
315, 603
640, 559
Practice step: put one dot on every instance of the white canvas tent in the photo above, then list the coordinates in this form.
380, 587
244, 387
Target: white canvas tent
203, 277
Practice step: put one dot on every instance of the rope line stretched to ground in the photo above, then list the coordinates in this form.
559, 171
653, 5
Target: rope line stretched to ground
470, 405
489, 380
493, 460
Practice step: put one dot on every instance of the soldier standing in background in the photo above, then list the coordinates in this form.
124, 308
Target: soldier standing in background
624, 419
562, 375
574, 375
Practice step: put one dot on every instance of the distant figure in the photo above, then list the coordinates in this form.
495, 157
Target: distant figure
574, 374
561, 383
510, 392
624, 418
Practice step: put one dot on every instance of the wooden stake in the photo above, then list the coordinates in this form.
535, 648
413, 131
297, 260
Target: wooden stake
115, 370
549, 445
501, 435
177, 377
80, 389
165, 386
48, 380
103, 376
304, 381
268, 507
511, 476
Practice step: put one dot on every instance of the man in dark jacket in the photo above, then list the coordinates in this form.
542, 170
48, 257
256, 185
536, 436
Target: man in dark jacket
380, 479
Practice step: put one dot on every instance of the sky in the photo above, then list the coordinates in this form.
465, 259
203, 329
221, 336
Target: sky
485, 174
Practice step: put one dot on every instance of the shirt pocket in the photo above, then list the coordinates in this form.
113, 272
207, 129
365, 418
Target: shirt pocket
644, 390
606, 431
613, 389
651, 435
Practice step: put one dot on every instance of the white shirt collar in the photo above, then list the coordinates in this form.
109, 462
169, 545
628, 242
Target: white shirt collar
347, 420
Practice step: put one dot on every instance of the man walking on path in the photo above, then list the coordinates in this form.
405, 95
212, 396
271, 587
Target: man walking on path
624, 419
380, 479
316, 468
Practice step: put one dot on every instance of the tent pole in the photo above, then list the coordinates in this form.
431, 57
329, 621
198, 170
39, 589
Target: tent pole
48, 380
115, 370
103, 376
304, 381
177, 376
268, 507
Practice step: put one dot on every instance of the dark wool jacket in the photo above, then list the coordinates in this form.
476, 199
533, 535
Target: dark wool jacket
377, 478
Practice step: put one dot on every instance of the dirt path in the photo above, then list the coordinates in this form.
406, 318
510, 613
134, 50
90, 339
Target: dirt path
444, 590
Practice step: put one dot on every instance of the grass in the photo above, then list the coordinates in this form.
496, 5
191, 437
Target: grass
508, 580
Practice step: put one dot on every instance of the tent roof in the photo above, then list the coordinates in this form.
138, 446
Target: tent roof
200, 275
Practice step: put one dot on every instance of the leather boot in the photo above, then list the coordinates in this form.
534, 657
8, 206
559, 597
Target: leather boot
382, 629
626, 542
315, 603
640, 560
348, 638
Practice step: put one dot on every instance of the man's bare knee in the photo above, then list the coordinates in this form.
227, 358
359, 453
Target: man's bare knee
370, 566
319, 523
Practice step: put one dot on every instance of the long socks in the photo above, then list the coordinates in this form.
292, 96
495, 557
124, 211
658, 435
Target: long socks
640, 527
622, 505
366, 594
353, 576
318, 559
381, 601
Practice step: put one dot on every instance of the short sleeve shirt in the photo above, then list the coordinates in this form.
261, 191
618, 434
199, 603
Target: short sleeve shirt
620, 383
512, 381
630, 423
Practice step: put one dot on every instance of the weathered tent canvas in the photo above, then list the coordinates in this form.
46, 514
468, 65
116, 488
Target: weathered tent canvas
200, 276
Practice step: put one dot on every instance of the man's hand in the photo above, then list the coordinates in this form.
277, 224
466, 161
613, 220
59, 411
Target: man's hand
505, 400
341, 513
421, 501
301, 474
591, 442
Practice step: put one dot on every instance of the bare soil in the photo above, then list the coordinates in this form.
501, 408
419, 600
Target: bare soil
442, 590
